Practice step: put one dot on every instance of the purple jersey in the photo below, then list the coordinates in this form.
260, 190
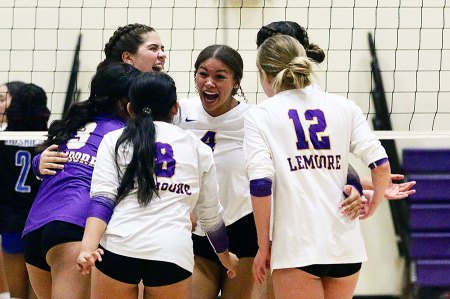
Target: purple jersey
65, 196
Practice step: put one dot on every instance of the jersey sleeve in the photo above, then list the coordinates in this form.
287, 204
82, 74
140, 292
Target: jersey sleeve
35, 166
105, 181
364, 144
208, 206
256, 151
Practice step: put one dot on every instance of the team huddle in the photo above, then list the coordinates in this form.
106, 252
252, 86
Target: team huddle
138, 194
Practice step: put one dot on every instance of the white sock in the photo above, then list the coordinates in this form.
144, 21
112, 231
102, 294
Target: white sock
4, 295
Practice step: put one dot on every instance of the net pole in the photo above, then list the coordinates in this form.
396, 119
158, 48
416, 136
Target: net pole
381, 121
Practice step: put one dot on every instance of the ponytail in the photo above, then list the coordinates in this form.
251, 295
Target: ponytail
140, 137
152, 96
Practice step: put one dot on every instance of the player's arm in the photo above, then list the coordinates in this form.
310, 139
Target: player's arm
104, 186
89, 251
261, 193
261, 172
381, 178
210, 211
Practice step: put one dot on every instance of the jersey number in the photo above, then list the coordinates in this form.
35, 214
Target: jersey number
79, 140
209, 139
165, 163
316, 128
23, 158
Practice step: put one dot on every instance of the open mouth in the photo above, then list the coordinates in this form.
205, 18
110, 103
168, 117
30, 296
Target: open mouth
157, 67
210, 96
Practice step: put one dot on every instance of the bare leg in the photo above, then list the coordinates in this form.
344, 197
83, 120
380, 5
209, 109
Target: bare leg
17, 275
66, 279
265, 289
206, 279
41, 281
31, 293
243, 286
294, 283
343, 287
179, 290
3, 282
105, 287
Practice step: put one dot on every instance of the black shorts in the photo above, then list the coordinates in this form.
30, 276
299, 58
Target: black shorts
332, 270
132, 270
38, 242
242, 240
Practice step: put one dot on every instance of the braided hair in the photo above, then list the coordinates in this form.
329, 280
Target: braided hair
125, 39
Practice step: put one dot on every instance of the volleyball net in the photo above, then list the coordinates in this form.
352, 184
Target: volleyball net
412, 39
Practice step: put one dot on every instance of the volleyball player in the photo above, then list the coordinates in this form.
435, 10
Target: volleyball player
317, 55
217, 118
7, 93
18, 186
55, 224
135, 44
315, 252
147, 179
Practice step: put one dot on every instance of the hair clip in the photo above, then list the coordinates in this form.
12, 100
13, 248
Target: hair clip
147, 110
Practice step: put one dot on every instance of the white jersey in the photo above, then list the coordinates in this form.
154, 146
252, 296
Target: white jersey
301, 140
224, 134
162, 229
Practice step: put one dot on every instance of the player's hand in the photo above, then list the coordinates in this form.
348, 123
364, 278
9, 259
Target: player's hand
230, 261
399, 191
261, 264
352, 205
365, 203
52, 160
86, 260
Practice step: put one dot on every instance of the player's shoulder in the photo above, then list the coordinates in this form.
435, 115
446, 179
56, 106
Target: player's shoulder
113, 135
108, 123
189, 104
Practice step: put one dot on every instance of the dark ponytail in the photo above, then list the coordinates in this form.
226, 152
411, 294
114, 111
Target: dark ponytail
109, 87
152, 96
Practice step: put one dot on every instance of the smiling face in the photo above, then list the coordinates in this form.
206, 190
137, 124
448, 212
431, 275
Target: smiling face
216, 85
150, 55
5, 101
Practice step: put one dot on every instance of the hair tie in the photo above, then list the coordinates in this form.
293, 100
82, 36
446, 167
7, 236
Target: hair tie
147, 111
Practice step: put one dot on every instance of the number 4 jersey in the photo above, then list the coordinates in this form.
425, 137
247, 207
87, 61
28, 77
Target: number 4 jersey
65, 196
18, 185
224, 134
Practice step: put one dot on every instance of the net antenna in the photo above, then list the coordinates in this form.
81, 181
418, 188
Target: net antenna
381, 121
73, 94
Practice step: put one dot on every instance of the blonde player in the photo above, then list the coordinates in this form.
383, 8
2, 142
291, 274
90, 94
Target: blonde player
297, 144
147, 179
